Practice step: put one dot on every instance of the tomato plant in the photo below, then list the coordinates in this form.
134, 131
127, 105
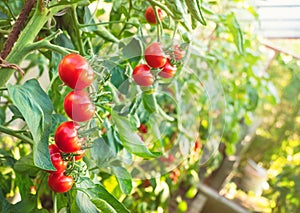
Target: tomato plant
129, 96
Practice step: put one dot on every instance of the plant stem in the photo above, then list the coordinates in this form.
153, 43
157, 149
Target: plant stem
16, 134
26, 38
54, 203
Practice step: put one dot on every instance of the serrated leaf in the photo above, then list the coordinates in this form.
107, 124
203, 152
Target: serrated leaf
36, 108
130, 139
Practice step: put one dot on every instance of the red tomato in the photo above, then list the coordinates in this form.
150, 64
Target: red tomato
60, 183
168, 70
79, 154
66, 137
53, 149
56, 159
155, 55
150, 15
143, 128
75, 71
142, 75
178, 52
79, 106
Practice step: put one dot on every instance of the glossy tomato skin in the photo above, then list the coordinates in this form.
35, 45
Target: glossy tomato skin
60, 183
66, 137
75, 71
155, 55
56, 159
142, 75
150, 15
168, 70
78, 106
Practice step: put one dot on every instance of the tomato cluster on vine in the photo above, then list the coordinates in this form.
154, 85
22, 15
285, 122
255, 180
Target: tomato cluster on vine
76, 73
158, 63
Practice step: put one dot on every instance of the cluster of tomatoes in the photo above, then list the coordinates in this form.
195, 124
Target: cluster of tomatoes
76, 73
156, 60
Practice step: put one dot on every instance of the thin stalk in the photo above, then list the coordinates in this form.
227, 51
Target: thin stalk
16, 134
54, 202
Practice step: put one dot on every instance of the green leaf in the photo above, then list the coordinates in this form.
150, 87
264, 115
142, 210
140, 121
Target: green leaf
117, 73
130, 139
84, 203
57, 119
194, 7
253, 97
101, 152
124, 179
150, 102
26, 166
133, 50
36, 108
15, 111
103, 200
2, 116
103, 205
234, 28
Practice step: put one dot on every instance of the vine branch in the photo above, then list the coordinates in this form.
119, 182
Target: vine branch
17, 28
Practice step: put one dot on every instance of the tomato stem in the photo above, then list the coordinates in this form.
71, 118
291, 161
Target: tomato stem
16, 134
54, 202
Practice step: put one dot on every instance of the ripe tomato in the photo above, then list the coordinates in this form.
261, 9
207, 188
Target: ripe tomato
75, 71
155, 55
56, 159
60, 183
78, 106
178, 52
168, 70
150, 15
66, 137
142, 75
